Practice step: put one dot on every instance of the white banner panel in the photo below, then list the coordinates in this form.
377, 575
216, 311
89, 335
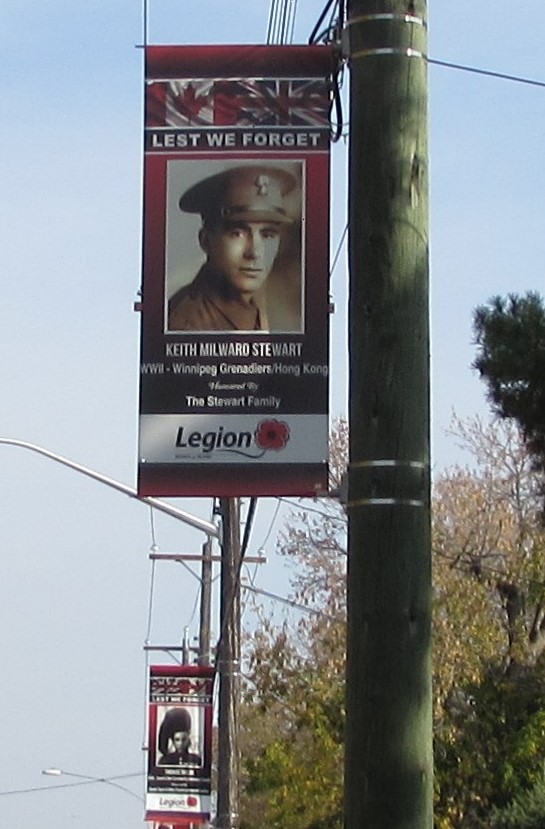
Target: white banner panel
233, 439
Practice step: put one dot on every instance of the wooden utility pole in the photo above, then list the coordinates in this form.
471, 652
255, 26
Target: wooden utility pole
389, 703
204, 657
228, 664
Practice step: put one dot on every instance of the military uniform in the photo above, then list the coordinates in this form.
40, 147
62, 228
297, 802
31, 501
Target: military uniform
181, 758
204, 305
253, 193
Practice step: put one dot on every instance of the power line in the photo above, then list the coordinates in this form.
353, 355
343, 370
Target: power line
316, 34
305, 508
249, 524
338, 251
271, 525
476, 71
291, 602
281, 21
72, 785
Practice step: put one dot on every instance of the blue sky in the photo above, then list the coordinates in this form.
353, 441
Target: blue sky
76, 577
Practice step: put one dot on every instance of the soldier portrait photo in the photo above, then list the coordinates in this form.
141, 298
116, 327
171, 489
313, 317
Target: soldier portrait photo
234, 248
177, 739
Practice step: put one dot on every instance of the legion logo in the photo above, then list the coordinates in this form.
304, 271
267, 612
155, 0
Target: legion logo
270, 434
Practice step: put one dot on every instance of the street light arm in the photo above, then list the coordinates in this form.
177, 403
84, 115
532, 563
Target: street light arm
198, 523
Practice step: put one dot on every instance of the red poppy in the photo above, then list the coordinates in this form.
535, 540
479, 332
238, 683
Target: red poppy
272, 434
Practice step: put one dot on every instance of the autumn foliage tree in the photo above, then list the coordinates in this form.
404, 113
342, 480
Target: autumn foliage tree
489, 654
294, 713
489, 580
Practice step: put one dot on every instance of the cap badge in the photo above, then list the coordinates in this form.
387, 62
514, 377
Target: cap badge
262, 185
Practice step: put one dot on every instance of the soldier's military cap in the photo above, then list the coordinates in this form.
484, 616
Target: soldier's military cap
176, 719
245, 194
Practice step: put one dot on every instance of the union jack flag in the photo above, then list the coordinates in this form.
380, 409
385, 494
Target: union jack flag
238, 103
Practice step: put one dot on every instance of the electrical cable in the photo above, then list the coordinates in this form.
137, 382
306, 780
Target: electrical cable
237, 580
342, 12
33, 789
338, 251
292, 21
329, 34
150, 598
342, 130
195, 603
332, 31
281, 21
312, 37
279, 502
284, 36
249, 524
271, 525
336, 104
501, 75
291, 602
272, 20
312, 509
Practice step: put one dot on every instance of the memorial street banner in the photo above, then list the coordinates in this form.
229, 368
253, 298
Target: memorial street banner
235, 294
178, 788
185, 824
163, 825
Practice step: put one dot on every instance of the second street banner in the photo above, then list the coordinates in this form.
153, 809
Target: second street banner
235, 330
180, 745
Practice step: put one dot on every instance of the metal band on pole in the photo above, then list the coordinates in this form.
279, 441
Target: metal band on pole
391, 463
406, 52
387, 463
382, 17
388, 502
390, 16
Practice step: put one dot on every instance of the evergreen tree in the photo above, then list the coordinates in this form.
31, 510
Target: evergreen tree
510, 337
527, 811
